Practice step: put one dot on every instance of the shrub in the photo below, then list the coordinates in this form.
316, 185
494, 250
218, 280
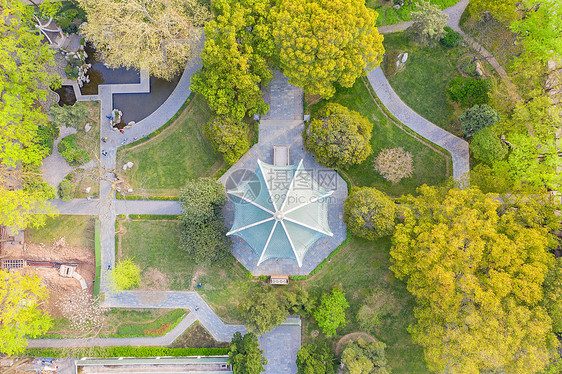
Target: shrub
369, 213
70, 115
229, 137
66, 189
339, 137
394, 164
468, 91
362, 357
46, 136
331, 313
70, 151
486, 146
451, 38
126, 275
478, 117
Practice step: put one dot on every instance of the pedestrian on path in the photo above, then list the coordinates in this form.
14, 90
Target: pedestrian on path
196, 308
104, 139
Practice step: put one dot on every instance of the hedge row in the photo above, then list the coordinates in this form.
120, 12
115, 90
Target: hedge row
156, 132
323, 263
135, 197
154, 216
107, 352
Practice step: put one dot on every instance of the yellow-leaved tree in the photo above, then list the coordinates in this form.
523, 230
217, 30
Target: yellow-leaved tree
20, 316
476, 267
322, 42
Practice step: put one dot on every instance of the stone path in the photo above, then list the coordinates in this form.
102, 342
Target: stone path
54, 168
456, 146
285, 100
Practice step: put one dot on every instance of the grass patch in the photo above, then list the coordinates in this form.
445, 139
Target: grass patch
422, 84
78, 231
180, 152
429, 166
155, 247
353, 269
197, 336
158, 327
390, 16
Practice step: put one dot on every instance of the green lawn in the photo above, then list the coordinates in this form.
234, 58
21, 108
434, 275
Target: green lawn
180, 152
359, 267
422, 84
155, 245
77, 230
429, 166
389, 16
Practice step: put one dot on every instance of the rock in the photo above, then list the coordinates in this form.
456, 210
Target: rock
130, 164
396, 6
124, 167
87, 128
479, 69
551, 65
130, 190
404, 57
88, 189
397, 62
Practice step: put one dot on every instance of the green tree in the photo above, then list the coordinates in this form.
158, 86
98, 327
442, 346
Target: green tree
229, 137
71, 152
503, 10
553, 295
339, 137
23, 61
156, 35
330, 314
362, 357
126, 275
20, 315
487, 146
203, 231
323, 42
428, 23
476, 268
299, 301
236, 56
476, 118
369, 213
314, 359
263, 308
468, 91
245, 355
70, 115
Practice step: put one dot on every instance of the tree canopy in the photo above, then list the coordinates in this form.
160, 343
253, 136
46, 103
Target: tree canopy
245, 355
478, 117
339, 137
369, 213
428, 23
315, 359
263, 308
476, 268
503, 10
487, 146
363, 357
126, 275
229, 137
330, 314
20, 316
322, 42
236, 57
157, 35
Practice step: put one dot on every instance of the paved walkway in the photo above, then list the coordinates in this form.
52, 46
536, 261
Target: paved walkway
54, 168
285, 100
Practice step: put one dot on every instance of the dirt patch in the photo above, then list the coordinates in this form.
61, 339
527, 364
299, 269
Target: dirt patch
353, 336
199, 272
154, 279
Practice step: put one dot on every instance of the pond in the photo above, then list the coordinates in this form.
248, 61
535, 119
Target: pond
135, 107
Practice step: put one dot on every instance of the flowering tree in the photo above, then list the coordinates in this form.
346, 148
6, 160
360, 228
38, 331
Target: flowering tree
394, 164
84, 312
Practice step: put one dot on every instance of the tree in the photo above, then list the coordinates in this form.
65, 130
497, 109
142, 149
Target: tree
314, 359
362, 357
299, 301
394, 164
478, 117
126, 275
156, 35
23, 61
339, 137
468, 91
503, 10
245, 355
486, 146
330, 314
85, 313
428, 23
263, 308
553, 295
236, 57
369, 213
70, 115
20, 316
325, 42
229, 137
476, 268
203, 231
